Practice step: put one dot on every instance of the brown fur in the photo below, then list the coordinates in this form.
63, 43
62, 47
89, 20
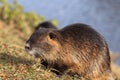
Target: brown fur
46, 24
76, 49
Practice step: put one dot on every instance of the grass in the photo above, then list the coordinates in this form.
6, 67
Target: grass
16, 64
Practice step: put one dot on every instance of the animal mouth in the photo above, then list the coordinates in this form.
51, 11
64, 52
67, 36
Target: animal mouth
36, 55
32, 52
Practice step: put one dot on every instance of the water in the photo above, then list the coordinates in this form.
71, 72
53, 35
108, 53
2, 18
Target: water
103, 15
118, 62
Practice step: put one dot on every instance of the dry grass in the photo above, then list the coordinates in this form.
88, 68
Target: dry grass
16, 64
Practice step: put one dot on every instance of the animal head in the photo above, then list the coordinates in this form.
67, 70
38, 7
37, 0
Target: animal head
44, 43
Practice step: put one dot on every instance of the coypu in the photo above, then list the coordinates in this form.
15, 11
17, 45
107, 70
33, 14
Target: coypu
77, 49
46, 24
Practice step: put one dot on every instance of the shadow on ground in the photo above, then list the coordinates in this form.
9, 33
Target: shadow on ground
10, 59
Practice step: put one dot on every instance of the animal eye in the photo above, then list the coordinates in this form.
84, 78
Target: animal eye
52, 36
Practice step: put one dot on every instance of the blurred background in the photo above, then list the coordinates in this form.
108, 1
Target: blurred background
19, 18
103, 15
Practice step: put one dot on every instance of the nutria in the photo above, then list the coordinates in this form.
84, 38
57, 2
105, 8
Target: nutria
45, 24
77, 49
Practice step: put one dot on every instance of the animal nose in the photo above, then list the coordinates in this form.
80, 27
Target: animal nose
28, 47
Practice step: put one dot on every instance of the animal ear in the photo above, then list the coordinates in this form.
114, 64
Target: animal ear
52, 35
